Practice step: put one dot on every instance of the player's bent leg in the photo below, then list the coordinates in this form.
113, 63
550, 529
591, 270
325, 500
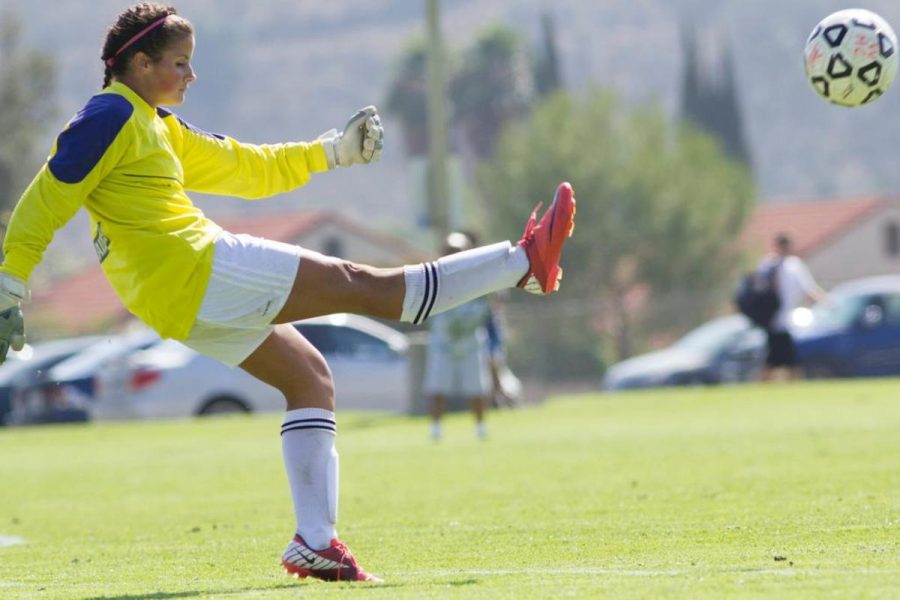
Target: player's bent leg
287, 361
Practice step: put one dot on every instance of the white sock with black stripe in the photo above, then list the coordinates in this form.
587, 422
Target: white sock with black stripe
434, 287
311, 462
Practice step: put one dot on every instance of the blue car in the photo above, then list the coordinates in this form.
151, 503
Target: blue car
855, 333
29, 365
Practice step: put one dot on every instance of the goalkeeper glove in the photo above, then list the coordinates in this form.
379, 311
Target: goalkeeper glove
13, 291
360, 142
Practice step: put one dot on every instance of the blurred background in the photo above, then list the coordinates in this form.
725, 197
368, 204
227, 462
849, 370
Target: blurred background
687, 128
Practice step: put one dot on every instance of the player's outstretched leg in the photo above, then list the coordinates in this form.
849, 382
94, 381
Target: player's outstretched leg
327, 285
335, 563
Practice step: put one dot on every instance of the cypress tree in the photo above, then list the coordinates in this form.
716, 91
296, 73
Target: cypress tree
710, 100
547, 75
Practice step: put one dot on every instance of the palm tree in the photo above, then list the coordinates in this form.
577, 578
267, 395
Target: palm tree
492, 86
408, 97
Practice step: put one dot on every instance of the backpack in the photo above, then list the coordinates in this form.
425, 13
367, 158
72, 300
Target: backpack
756, 296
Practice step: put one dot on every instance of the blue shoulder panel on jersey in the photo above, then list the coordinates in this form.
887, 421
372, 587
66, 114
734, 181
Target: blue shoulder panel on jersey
89, 135
163, 113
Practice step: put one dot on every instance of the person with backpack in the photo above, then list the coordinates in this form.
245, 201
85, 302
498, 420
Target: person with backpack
793, 284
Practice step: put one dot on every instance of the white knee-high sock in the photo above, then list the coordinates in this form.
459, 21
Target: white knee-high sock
434, 287
311, 462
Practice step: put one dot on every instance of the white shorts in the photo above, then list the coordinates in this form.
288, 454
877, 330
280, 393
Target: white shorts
251, 280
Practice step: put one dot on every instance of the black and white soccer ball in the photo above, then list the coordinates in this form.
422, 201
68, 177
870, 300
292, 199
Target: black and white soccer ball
851, 57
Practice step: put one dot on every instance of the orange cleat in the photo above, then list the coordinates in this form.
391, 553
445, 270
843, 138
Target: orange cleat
543, 242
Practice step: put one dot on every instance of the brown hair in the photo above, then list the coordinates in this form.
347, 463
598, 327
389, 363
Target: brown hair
783, 242
130, 23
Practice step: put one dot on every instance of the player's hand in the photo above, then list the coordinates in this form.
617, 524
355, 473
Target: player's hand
13, 291
360, 143
12, 331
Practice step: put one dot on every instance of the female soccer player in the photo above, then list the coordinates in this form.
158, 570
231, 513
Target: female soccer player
129, 162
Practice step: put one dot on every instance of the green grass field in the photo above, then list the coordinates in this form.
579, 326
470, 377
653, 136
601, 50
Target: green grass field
771, 492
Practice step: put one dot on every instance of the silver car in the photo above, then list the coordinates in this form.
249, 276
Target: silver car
724, 350
168, 380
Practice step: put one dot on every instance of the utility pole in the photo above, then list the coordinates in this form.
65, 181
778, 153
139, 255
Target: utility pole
438, 184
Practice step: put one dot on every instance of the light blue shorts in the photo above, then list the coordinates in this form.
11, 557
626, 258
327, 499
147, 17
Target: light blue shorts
449, 373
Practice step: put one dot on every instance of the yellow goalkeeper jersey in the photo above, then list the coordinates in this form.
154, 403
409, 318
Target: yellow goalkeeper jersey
130, 166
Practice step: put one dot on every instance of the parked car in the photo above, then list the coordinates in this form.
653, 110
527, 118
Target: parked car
726, 349
66, 390
855, 333
29, 366
368, 361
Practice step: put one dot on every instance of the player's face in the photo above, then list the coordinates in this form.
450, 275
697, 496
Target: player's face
168, 78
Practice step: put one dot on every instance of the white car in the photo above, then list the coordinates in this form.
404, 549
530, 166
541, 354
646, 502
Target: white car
168, 380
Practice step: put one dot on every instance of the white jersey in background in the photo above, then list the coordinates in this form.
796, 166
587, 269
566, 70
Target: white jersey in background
794, 283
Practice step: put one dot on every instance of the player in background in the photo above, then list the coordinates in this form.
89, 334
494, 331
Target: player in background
130, 163
794, 284
457, 357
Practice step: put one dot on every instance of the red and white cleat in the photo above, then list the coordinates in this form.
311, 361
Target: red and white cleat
543, 241
335, 563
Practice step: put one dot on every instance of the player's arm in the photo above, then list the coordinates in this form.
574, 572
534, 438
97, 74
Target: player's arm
42, 210
46, 206
217, 164
83, 154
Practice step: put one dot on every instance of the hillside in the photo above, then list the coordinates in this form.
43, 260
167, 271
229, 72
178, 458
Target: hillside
271, 70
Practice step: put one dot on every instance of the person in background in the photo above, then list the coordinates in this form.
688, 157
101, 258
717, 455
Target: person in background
794, 285
457, 360
506, 389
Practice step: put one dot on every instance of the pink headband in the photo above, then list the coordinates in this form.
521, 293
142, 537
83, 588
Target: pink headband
111, 60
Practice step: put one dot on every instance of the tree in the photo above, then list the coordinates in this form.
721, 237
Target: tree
655, 203
547, 70
492, 86
27, 86
408, 97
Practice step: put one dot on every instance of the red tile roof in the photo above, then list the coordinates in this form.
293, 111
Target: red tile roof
82, 303
288, 227
281, 227
810, 224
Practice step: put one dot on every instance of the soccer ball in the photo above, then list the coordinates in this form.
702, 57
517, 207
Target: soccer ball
851, 57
